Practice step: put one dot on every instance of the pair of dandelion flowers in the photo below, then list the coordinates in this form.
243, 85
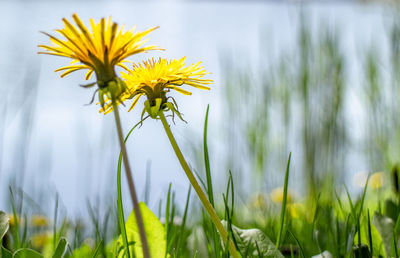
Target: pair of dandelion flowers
106, 46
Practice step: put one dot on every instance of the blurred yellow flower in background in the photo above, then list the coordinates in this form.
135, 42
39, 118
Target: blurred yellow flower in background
258, 201
154, 78
296, 210
277, 195
376, 180
39, 240
39, 221
14, 220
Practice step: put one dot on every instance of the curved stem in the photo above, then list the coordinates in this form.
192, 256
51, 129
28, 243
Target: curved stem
207, 205
132, 190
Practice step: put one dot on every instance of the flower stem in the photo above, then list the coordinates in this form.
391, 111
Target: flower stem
207, 205
132, 190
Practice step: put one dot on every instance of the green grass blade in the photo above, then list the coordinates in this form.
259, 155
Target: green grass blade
232, 194
371, 246
338, 239
55, 222
121, 219
16, 225
363, 196
147, 183
228, 218
207, 161
178, 247
167, 215
298, 243
353, 212
97, 251
200, 179
283, 208
159, 209
360, 211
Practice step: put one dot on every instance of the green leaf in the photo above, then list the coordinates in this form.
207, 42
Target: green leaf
385, 226
26, 253
5, 253
60, 250
254, 242
82, 252
369, 233
391, 209
155, 233
3, 224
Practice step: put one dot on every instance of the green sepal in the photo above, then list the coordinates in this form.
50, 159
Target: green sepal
170, 106
161, 106
153, 111
112, 91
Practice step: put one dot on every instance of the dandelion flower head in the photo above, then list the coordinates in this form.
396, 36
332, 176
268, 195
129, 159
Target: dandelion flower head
97, 50
39, 221
40, 240
154, 78
277, 195
377, 180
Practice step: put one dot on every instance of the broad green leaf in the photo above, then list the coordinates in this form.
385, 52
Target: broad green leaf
377, 239
82, 252
391, 209
254, 242
3, 224
155, 233
26, 253
385, 226
60, 250
5, 253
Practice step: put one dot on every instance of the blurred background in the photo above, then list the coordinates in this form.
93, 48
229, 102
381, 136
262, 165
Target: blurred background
320, 80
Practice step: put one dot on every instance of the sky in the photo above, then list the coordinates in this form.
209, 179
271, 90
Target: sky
72, 149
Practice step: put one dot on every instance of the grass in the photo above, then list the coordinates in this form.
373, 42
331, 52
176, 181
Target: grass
296, 235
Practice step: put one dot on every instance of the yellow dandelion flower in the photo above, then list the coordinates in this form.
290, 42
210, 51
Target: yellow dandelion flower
154, 78
296, 210
258, 201
39, 240
97, 50
277, 195
376, 180
39, 221
14, 220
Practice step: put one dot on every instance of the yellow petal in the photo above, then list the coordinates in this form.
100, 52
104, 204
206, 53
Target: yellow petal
134, 102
